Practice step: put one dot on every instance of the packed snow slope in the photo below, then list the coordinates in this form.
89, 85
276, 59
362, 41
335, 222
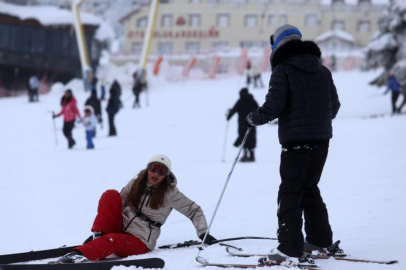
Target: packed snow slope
49, 194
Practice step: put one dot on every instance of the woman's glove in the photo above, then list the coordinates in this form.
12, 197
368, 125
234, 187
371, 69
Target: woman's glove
210, 240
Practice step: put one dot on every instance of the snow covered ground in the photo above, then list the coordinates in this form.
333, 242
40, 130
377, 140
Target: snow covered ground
49, 194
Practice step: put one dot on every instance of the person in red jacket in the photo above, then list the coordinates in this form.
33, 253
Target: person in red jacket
69, 112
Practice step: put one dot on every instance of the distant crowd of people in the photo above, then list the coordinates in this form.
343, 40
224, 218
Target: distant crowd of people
92, 112
93, 109
253, 75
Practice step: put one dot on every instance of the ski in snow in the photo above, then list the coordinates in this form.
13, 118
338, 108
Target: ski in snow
34, 255
107, 265
204, 262
233, 252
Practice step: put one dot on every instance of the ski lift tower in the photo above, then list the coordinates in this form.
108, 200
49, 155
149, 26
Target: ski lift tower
142, 65
149, 34
87, 72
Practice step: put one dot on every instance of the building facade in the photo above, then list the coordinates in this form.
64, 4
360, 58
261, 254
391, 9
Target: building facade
198, 26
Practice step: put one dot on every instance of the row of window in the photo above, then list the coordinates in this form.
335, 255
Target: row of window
194, 47
37, 40
252, 20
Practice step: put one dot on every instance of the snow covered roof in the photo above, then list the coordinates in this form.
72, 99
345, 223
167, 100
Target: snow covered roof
129, 14
46, 15
336, 33
355, 2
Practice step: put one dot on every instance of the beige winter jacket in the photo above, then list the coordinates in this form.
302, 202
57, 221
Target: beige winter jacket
173, 199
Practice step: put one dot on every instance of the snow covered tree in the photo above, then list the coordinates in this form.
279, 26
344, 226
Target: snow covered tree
387, 48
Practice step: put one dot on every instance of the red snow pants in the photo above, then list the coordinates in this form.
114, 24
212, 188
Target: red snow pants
109, 220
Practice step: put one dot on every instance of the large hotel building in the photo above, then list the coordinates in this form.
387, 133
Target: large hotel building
199, 26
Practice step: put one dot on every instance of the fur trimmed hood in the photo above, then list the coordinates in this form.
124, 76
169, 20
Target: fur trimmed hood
309, 52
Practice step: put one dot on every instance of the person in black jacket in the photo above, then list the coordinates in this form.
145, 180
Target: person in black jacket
113, 106
140, 83
243, 107
302, 95
94, 101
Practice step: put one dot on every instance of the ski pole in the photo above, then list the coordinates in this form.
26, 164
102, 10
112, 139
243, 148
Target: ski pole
55, 132
375, 95
218, 241
224, 146
222, 193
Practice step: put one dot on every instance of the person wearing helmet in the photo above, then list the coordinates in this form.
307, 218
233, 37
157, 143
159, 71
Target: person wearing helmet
129, 223
303, 97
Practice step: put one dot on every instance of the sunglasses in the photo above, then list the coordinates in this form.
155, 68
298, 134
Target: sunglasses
159, 168
272, 39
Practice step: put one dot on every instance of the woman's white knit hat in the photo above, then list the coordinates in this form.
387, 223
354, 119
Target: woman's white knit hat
161, 159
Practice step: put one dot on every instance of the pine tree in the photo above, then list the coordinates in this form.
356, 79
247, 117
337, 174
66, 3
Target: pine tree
387, 47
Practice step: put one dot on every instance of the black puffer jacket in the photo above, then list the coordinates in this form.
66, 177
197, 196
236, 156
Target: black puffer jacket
95, 103
243, 107
301, 94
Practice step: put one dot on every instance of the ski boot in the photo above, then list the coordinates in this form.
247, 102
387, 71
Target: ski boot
278, 258
335, 251
331, 251
72, 257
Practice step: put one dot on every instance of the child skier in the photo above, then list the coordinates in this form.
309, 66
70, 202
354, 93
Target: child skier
90, 122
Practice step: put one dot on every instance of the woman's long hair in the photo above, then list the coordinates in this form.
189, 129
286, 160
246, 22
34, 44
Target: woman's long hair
66, 100
139, 188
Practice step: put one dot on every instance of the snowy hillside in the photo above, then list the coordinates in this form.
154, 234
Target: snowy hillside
49, 194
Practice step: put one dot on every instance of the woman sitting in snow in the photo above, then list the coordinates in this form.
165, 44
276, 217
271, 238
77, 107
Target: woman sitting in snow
128, 223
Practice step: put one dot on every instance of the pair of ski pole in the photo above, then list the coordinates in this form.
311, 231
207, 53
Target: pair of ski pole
55, 132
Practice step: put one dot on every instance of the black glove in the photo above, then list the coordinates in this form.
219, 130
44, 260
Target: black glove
209, 239
248, 120
54, 115
228, 114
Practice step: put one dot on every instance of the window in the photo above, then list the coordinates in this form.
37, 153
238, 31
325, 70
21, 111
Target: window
338, 25
95, 50
166, 21
219, 45
251, 20
283, 19
38, 40
364, 26
223, 20
136, 47
311, 19
194, 20
61, 44
192, 47
4, 36
251, 44
271, 20
165, 47
142, 22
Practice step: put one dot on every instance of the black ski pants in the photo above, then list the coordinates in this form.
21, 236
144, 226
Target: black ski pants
112, 127
67, 131
300, 171
395, 96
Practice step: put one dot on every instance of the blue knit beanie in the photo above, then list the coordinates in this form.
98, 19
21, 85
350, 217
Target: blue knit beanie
284, 34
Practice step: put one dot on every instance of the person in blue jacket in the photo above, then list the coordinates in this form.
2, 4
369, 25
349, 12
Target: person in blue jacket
394, 87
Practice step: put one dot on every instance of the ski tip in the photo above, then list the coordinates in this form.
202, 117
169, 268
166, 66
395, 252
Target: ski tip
201, 260
393, 262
